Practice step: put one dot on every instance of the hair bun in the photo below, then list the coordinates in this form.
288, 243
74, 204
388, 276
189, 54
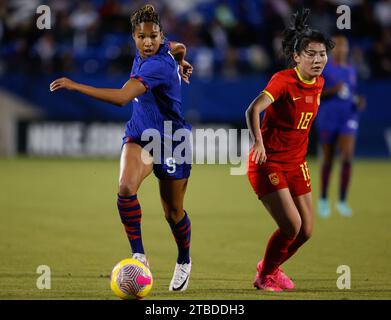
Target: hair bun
146, 13
148, 8
299, 20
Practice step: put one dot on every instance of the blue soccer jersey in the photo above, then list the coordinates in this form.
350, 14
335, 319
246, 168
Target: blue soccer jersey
159, 108
163, 99
337, 114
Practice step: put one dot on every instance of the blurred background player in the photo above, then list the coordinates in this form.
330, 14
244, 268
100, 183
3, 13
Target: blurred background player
278, 171
155, 89
337, 124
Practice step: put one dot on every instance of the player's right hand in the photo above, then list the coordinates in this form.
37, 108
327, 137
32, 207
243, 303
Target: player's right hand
62, 83
259, 153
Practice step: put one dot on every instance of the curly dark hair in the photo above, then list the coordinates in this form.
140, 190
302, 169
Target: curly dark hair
146, 13
298, 35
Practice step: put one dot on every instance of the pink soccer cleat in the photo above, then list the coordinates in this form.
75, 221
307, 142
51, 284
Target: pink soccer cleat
266, 283
283, 281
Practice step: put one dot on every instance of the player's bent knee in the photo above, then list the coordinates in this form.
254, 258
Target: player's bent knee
291, 230
306, 235
126, 189
173, 214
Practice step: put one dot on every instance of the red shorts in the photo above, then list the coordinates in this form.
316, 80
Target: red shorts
271, 176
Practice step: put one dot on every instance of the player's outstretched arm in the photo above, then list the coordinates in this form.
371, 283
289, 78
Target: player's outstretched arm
178, 50
259, 104
119, 97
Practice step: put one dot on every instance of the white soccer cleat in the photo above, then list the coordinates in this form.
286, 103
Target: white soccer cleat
180, 279
323, 208
344, 209
142, 258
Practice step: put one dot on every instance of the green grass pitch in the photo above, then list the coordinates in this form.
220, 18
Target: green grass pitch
62, 213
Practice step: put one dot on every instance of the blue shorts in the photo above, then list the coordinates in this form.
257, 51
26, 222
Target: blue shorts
329, 129
168, 162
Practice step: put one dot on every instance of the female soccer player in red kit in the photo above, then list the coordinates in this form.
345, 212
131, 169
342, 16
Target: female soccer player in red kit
277, 169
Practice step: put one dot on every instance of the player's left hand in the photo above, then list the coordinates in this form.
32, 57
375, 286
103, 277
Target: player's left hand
186, 69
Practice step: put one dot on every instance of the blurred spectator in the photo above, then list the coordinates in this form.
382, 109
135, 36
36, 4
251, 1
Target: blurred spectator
62, 30
363, 20
230, 67
82, 19
45, 49
3, 12
380, 55
204, 63
84, 16
258, 59
60, 6
382, 12
218, 35
358, 60
321, 18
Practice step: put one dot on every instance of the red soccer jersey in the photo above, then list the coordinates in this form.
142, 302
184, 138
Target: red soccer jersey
287, 121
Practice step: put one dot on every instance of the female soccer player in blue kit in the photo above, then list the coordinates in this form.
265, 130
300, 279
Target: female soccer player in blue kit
155, 88
337, 124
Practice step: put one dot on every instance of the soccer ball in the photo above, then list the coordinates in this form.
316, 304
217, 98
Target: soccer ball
131, 279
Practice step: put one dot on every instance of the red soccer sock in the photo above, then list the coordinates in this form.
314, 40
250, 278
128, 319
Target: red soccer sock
276, 251
292, 249
130, 212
